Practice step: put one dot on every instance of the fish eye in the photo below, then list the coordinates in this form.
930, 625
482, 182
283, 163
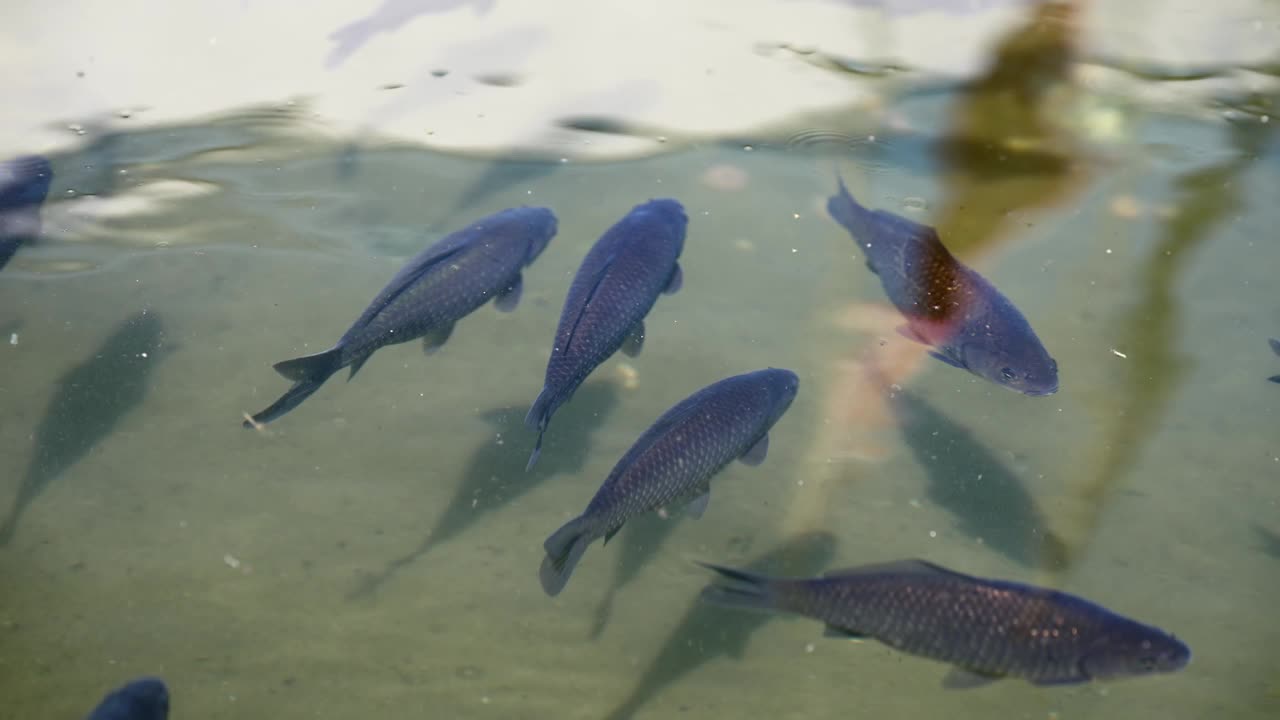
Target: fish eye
1007, 373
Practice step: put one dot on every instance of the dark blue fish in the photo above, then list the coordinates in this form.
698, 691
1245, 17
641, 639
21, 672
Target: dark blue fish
672, 463
143, 699
986, 629
436, 289
1275, 348
948, 306
616, 286
24, 184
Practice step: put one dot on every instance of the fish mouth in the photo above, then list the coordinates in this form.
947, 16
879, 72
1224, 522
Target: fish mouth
1040, 392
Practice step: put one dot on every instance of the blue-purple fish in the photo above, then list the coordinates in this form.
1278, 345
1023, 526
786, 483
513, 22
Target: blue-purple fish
671, 465
433, 291
986, 629
617, 284
24, 185
1275, 348
947, 305
142, 699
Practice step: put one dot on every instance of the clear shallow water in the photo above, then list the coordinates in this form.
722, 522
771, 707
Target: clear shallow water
283, 574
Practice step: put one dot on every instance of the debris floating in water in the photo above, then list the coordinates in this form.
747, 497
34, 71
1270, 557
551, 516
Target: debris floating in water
1118, 354
13, 338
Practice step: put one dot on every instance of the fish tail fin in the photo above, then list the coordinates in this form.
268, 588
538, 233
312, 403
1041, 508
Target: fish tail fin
744, 590
308, 373
317, 367
291, 399
564, 550
538, 418
843, 208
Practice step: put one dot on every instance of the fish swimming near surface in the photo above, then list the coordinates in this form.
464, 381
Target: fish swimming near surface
1275, 348
24, 185
948, 306
432, 292
986, 629
616, 285
671, 465
146, 698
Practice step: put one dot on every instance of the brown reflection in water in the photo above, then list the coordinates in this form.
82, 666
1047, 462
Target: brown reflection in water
1003, 152
1206, 198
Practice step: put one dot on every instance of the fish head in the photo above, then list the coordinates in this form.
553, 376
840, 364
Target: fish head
669, 214
543, 226
146, 698
1137, 650
783, 386
1022, 365
24, 181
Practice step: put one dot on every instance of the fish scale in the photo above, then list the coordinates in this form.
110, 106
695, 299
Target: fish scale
947, 305
433, 291
986, 628
615, 287
673, 462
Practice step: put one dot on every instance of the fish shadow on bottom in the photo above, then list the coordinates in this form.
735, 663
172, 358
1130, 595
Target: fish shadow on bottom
641, 539
987, 499
707, 632
495, 474
89, 402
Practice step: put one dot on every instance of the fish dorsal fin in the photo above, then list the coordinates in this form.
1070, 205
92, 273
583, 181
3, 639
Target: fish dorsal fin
595, 283
897, 567
407, 277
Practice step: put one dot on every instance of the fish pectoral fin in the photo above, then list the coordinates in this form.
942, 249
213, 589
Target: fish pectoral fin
947, 360
835, 631
872, 267
756, 453
434, 340
675, 282
964, 679
698, 505
912, 334
635, 341
509, 298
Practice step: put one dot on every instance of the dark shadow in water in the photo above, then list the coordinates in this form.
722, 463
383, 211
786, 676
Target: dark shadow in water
641, 539
1206, 198
1270, 541
497, 178
495, 474
987, 499
707, 632
87, 405
390, 16
1005, 150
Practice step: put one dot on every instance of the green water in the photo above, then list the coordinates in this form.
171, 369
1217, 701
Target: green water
374, 553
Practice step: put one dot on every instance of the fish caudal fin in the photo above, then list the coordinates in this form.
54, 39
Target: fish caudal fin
564, 550
311, 367
538, 418
308, 374
744, 590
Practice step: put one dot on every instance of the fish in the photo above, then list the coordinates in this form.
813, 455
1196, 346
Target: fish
146, 698
618, 282
986, 629
948, 306
427, 297
24, 185
1275, 348
671, 465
